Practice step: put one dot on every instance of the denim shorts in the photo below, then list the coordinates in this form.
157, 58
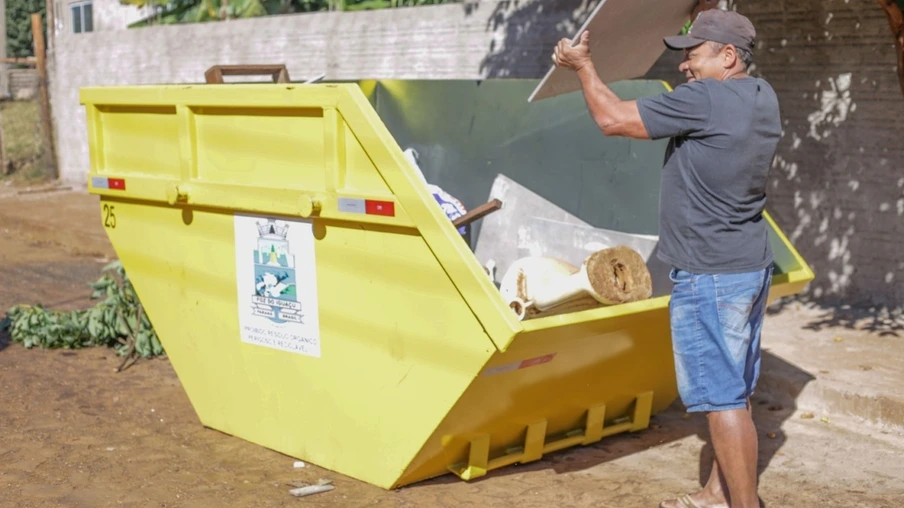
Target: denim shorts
716, 323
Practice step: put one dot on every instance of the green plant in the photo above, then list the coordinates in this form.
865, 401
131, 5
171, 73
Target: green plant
19, 41
193, 11
214, 10
118, 321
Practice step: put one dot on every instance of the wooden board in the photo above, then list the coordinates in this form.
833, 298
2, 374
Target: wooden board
625, 41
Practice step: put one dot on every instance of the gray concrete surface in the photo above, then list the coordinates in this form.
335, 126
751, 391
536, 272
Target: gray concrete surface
851, 365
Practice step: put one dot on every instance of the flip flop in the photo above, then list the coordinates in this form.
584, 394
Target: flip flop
685, 501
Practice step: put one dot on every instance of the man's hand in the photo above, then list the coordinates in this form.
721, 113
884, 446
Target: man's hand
614, 116
573, 57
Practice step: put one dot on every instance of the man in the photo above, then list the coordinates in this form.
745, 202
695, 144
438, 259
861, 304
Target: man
724, 126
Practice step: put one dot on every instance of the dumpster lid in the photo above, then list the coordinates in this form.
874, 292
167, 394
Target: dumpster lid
625, 41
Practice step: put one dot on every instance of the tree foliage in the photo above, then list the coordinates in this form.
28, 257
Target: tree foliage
19, 41
194, 11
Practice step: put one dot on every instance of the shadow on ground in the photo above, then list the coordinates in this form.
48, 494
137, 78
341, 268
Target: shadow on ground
774, 403
883, 321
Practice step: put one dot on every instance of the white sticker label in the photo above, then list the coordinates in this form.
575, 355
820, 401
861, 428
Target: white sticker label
277, 284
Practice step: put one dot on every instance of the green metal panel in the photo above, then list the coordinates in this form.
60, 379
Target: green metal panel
467, 132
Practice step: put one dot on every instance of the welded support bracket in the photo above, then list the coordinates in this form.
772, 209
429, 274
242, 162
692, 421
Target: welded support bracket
536, 444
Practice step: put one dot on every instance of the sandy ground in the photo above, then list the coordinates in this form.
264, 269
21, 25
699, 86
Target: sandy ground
75, 433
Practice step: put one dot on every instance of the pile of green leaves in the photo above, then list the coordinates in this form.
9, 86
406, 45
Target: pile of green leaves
118, 321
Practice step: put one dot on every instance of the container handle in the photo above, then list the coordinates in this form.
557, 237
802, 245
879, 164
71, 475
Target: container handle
279, 72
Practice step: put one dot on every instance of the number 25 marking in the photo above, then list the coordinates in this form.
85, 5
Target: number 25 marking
109, 217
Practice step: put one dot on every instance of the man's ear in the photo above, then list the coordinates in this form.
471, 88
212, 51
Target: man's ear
731, 56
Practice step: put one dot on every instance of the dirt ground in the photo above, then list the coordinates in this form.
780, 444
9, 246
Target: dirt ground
75, 433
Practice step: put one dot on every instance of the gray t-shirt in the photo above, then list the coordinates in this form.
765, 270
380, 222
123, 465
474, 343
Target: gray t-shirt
724, 135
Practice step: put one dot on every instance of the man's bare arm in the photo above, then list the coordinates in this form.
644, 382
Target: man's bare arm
614, 116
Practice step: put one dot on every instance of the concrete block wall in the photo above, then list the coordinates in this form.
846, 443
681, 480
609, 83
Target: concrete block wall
837, 183
839, 173
837, 186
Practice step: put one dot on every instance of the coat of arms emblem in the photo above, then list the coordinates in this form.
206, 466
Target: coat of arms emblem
275, 287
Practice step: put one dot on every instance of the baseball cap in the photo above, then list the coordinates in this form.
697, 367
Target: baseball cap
716, 25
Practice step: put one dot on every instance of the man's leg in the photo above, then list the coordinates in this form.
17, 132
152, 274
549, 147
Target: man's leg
715, 491
716, 322
740, 309
690, 344
735, 443
713, 495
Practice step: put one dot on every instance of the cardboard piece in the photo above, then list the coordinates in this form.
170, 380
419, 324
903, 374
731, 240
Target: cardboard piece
625, 41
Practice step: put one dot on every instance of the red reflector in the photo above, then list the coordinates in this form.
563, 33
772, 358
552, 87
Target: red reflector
116, 183
379, 208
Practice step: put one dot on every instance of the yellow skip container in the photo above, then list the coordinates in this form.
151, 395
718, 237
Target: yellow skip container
313, 298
